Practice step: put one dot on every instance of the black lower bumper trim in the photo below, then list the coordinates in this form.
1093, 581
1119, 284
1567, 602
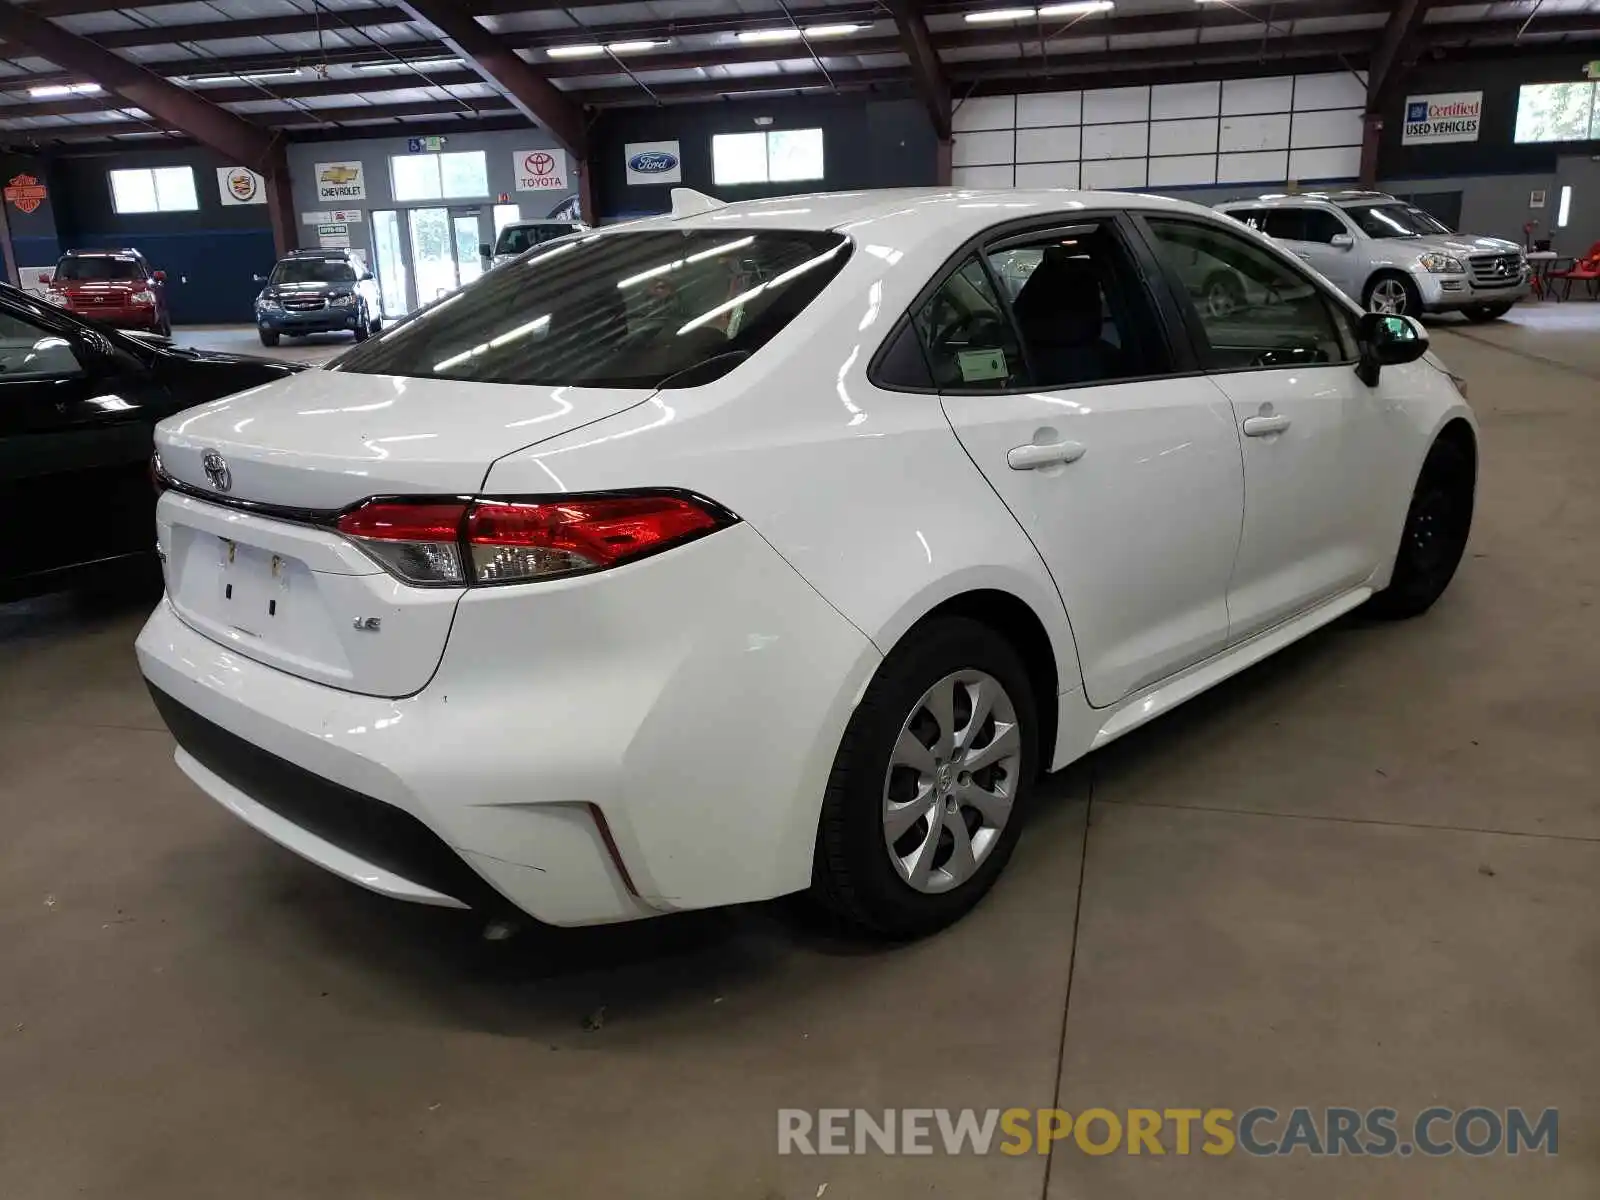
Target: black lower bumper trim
372, 830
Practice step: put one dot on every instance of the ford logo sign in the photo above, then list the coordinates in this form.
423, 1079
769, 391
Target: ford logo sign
653, 163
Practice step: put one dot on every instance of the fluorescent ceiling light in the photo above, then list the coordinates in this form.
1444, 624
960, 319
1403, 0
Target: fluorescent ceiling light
1000, 14
250, 77
589, 51
768, 35
594, 50
64, 89
416, 64
822, 31
1077, 9
633, 47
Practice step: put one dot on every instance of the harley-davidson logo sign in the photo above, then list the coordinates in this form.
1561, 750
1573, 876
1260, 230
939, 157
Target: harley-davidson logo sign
26, 192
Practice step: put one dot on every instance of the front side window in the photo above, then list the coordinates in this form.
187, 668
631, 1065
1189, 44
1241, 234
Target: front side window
313, 270
1322, 226
31, 352
639, 309
1255, 310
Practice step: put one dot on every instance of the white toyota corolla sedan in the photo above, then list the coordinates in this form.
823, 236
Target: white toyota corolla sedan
780, 545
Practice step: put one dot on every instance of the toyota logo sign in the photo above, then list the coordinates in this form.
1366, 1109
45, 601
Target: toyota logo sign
216, 469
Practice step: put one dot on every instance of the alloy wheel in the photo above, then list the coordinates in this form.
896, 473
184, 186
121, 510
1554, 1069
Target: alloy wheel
1388, 296
952, 777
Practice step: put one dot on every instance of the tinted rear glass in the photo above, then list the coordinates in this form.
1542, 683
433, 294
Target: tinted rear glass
629, 309
313, 270
89, 269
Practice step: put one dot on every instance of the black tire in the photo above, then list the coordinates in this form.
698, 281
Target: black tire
268, 337
165, 328
363, 326
852, 875
1411, 300
1435, 534
1480, 313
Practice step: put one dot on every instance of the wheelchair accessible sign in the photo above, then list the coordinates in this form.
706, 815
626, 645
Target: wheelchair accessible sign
1442, 117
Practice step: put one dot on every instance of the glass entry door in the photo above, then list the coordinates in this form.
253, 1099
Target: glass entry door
425, 253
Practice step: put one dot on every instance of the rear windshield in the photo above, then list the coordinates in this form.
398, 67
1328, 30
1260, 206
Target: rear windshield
313, 270
98, 268
1395, 220
644, 309
514, 239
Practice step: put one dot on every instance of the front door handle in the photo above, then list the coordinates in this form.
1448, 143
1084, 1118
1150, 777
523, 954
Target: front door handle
1034, 455
1262, 426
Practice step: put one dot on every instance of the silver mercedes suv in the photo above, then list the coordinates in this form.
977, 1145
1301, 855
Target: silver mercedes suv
1390, 256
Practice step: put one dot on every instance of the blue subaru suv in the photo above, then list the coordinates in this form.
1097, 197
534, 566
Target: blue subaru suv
317, 291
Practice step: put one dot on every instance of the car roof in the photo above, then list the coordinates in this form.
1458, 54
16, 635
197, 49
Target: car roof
1342, 199
914, 214
101, 254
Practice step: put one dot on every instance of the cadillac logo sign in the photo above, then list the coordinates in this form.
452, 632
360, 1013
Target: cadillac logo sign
26, 192
216, 469
242, 184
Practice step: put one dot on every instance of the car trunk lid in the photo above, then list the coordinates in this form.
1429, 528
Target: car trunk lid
251, 559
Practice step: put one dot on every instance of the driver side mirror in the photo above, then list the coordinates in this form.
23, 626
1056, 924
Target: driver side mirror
1341, 241
160, 277
1387, 341
485, 250
366, 275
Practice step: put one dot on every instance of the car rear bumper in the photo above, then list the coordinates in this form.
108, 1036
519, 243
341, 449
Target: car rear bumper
1449, 293
594, 749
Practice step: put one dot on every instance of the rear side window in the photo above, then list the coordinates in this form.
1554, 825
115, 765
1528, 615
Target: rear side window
642, 309
966, 335
1288, 223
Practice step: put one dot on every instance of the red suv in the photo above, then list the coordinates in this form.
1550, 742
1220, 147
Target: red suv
114, 286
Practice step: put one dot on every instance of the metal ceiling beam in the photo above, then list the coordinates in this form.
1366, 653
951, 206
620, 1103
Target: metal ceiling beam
538, 98
100, 131
204, 31
1396, 49
927, 73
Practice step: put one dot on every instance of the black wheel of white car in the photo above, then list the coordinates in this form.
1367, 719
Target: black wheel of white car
1435, 534
1486, 312
928, 790
363, 325
268, 337
1222, 294
1394, 294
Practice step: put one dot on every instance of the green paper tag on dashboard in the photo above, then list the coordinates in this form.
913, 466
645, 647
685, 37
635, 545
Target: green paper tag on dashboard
980, 365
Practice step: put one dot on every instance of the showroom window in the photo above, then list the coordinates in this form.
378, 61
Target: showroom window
1557, 112
776, 156
159, 189
460, 176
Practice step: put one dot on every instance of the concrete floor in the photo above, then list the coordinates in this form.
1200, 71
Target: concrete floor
1364, 874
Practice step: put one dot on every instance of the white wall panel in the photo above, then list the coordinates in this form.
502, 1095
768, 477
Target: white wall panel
1047, 145
1049, 108
1107, 106
1117, 173
1269, 167
1183, 137
1330, 127
1338, 162
1257, 95
1339, 90
1179, 100
1183, 170
980, 149
984, 112
982, 177
1116, 141
1268, 131
1060, 174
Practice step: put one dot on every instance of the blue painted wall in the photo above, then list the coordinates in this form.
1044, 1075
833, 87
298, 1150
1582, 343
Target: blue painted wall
209, 255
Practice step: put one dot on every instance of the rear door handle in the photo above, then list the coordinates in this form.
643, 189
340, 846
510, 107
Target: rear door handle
1262, 426
1034, 456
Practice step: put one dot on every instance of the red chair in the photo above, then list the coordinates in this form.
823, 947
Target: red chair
1586, 269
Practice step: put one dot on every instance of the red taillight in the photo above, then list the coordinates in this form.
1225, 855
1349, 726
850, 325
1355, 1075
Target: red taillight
513, 541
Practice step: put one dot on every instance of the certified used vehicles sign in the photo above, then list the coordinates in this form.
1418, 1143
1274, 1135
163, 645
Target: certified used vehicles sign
1442, 117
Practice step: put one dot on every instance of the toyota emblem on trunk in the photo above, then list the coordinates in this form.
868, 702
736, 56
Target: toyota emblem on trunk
216, 469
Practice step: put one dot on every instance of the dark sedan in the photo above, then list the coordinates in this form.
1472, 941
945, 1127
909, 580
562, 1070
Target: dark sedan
78, 403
